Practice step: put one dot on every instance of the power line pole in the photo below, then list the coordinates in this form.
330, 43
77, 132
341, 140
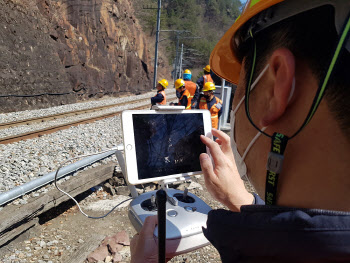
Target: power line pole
181, 57
156, 49
178, 32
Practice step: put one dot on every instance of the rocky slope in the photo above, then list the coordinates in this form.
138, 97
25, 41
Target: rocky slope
82, 48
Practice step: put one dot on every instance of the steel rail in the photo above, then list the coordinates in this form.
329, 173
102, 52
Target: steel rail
7, 125
52, 129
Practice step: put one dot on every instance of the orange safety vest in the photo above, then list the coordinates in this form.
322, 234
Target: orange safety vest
207, 78
214, 112
191, 87
186, 93
163, 102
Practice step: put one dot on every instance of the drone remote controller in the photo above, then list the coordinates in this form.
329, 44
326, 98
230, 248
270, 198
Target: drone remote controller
186, 214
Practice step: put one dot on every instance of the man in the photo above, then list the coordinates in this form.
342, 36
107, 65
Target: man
160, 98
192, 88
185, 96
291, 61
212, 103
205, 78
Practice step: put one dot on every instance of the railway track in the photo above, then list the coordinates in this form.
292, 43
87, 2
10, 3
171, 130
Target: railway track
67, 125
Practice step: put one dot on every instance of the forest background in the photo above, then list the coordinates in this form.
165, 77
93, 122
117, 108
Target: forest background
207, 21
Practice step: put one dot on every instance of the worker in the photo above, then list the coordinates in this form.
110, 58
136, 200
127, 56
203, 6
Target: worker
290, 137
160, 98
192, 87
205, 78
212, 103
185, 96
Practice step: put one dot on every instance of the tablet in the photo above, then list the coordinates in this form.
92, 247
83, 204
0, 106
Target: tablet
163, 144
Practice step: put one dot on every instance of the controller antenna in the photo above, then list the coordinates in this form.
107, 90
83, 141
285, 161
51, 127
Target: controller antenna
161, 204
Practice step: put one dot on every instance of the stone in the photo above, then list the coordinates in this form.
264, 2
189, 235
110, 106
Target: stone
108, 259
117, 257
182, 186
122, 190
42, 244
100, 253
195, 185
122, 238
113, 246
150, 187
109, 189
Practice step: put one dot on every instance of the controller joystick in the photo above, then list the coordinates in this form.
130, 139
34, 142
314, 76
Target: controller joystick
149, 204
184, 198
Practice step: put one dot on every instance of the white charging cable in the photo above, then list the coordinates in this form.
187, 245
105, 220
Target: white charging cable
76, 202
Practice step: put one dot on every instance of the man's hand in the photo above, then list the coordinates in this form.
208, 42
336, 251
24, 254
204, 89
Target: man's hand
144, 246
223, 182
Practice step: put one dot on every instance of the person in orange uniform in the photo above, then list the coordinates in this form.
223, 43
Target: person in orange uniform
205, 78
192, 87
160, 98
212, 103
185, 96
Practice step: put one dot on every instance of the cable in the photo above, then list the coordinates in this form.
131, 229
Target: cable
35, 95
76, 202
55, 94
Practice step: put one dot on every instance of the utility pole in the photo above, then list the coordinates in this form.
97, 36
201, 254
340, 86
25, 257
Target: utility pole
156, 49
181, 56
176, 57
157, 40
176, 64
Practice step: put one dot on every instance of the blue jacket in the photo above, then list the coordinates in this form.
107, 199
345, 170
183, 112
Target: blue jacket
261, 233
158, 98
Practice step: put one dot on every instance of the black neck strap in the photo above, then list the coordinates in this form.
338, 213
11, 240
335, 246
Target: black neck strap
274, 166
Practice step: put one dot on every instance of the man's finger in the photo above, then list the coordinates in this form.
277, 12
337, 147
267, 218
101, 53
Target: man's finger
225, 141
207, 167
215, 150
134, 240
148, 226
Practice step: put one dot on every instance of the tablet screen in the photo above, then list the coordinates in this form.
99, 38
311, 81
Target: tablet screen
168, 144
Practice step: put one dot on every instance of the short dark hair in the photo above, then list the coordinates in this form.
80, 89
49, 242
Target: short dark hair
312, 38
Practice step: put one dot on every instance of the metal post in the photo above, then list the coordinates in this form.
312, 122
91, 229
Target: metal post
176, 57
222, 118
156, 49
181, 56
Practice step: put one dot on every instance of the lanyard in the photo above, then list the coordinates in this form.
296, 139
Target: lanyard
274, 166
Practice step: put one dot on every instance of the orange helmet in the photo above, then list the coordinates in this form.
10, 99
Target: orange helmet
179, 83
223, 59
187, 71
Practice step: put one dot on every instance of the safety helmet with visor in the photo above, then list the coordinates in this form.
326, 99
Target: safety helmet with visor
164, 83
223, 60
179, 83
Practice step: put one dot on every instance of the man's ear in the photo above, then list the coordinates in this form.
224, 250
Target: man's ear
281, 74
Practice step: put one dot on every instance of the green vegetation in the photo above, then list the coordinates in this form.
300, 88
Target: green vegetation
207, 19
